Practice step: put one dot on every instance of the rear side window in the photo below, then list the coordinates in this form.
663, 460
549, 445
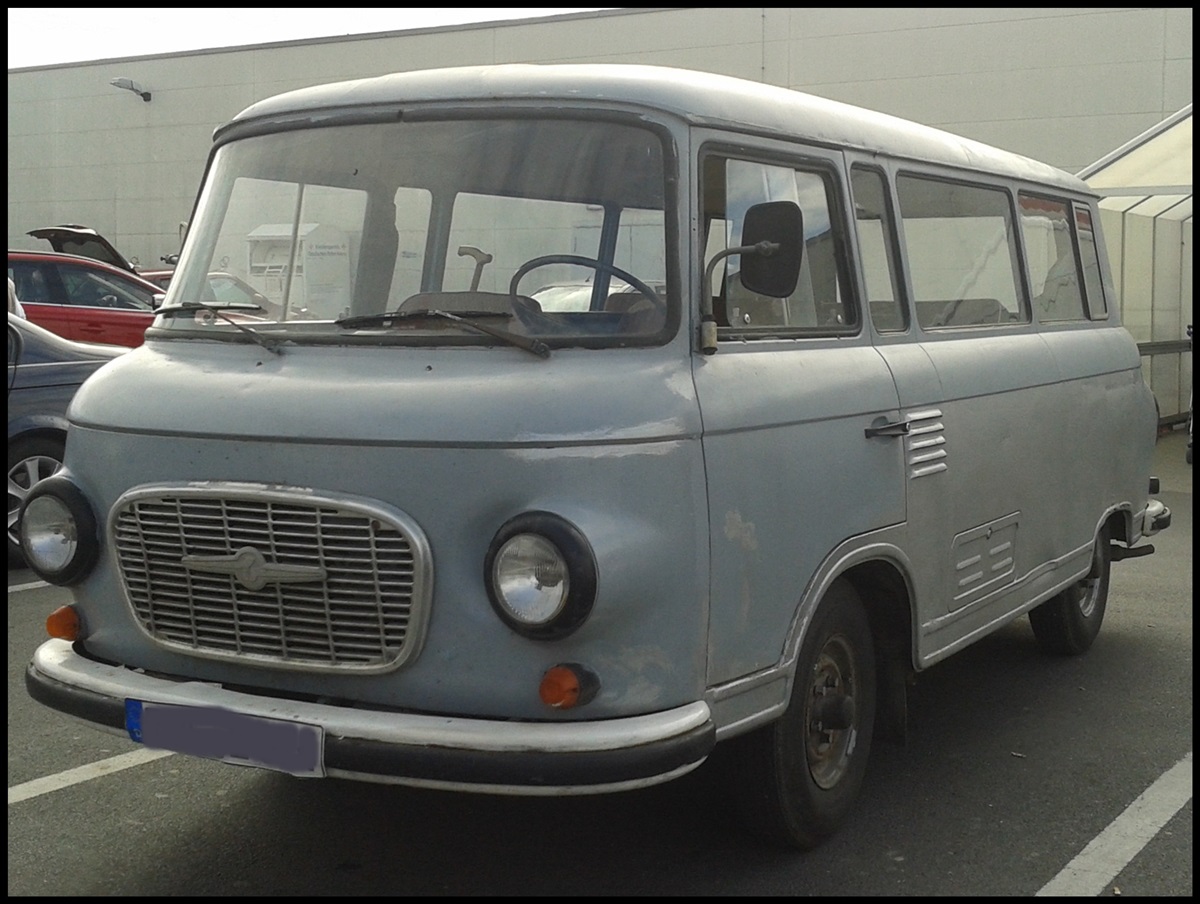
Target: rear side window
1055, 277
36, 283
961, 249
1090, 256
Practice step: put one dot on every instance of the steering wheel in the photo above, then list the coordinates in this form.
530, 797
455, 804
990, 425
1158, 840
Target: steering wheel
599, 266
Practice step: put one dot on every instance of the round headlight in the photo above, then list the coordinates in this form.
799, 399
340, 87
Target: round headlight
541, 575
531, 579
58, 531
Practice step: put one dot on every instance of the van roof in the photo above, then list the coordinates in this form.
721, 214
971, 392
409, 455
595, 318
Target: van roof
700, 98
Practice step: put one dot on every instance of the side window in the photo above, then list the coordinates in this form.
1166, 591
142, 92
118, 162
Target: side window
1054, 274
876, 245
961, 250
1089, 254
35, 283
90, 288
821, 301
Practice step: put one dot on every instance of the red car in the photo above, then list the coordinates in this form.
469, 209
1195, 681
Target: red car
83, 241
81, 298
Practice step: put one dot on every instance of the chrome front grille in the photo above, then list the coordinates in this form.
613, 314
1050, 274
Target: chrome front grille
281, 577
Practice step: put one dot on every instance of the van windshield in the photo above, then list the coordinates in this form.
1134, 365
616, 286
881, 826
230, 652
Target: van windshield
547, 228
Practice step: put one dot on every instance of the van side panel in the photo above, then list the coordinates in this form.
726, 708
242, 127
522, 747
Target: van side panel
988, 511
1030, 473
1110, 415
791, 474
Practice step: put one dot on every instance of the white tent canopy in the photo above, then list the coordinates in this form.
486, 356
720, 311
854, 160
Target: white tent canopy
1146, 207
1157, 162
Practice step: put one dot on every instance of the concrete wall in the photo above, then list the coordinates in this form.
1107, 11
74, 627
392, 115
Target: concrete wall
1061, 84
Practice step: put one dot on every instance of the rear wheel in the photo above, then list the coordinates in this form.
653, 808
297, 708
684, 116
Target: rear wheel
29, 460
1068, 623
797, 778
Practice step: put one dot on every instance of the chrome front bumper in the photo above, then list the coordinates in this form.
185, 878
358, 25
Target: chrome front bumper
1156, 517
489, 756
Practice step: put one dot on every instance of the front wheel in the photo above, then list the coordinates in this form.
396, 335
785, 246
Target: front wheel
797, 778
1067, 624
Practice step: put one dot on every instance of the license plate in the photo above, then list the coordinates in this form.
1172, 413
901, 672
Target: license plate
218, 734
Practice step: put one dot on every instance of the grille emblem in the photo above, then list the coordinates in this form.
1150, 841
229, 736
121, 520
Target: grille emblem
252, 570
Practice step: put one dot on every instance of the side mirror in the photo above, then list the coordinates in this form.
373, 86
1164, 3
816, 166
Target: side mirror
159, 298
771, 251
775, 230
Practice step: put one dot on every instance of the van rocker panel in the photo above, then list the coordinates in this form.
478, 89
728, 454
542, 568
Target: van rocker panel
488, 756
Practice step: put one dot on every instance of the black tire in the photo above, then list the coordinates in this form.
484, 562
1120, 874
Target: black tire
796, 780
29, 460
1067, 624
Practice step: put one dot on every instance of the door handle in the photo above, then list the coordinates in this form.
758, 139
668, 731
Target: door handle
891, 428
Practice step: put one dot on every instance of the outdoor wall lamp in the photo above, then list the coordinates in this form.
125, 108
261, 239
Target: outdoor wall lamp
129, 84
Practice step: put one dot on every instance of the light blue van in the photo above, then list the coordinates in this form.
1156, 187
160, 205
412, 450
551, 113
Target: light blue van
598, 415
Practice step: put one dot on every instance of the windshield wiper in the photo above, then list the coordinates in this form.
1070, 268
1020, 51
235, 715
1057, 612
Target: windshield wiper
464, 318
218, 310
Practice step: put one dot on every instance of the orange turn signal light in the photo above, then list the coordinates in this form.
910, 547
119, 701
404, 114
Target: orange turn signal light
63, 623
568, 685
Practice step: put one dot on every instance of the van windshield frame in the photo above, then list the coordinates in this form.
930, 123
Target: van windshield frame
463, 211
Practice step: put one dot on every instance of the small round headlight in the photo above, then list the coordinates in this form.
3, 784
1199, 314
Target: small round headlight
541, 575
58, 531
531, 579
49, 532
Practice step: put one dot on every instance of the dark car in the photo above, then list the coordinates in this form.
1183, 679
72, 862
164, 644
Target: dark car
82, 298
44, 370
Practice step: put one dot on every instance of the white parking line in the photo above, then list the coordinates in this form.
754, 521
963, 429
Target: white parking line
1087, 875
1108, 853
13, 588
39, 786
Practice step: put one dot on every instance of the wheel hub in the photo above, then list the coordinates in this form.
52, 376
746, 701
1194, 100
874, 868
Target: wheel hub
830, 714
